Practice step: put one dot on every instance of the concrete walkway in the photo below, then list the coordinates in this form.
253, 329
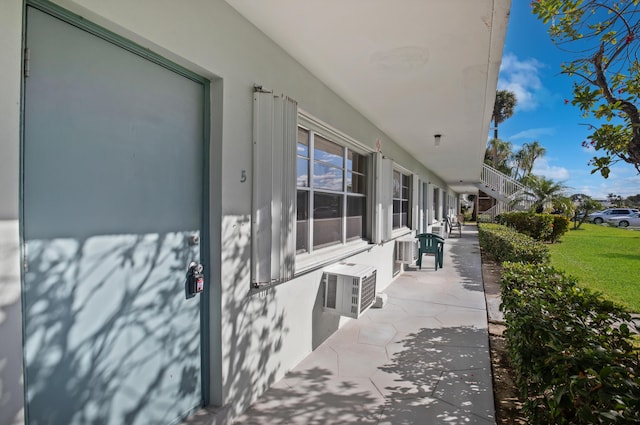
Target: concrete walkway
422, 359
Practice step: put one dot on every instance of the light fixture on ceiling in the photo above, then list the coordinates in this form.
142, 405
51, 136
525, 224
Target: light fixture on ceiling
436, 139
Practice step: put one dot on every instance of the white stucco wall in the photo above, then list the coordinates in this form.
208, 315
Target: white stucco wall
255, 338
11, 391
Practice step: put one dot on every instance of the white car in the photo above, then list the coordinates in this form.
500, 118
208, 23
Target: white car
625, 220
600, 217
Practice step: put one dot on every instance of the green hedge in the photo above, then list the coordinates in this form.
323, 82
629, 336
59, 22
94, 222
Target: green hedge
560, 227
505, 244
571, 351
541, 227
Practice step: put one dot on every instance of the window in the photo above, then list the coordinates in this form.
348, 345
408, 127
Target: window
400, 200
331, 193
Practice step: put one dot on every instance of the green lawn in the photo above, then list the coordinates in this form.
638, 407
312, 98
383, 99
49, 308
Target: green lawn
604, 259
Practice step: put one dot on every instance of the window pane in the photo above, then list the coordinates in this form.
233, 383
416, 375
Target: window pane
356, 213
355, 183
328, 152
400, 200
303, 173
327, 177
356, 162
302, 223
404, 219
397, 184
396, 221
397, 206
327, 219
303, 142
405, 186
333, 168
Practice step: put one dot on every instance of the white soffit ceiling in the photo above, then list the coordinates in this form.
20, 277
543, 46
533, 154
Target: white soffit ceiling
414, 68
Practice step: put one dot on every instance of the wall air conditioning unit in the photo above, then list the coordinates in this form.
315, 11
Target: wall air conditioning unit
349, 289
406, 250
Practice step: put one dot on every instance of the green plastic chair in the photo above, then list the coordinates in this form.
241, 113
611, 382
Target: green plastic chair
432, 245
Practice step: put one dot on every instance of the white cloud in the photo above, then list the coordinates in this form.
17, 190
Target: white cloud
543, 168
623, 180
533, 133
521, 77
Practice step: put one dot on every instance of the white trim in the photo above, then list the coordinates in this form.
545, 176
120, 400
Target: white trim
400, 168
385, 200
308, 261
415, 202
311, 123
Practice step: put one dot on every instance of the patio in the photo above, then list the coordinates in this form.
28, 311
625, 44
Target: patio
422, 359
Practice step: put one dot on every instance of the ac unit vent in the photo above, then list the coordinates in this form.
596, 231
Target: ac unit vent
350, 289
406, 251
332, 282
368, 291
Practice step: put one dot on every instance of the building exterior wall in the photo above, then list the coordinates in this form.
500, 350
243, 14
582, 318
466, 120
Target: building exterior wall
11, 391
256, 337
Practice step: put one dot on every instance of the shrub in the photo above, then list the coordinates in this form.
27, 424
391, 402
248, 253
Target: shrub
505, 244
560, 227
541, 227
571, 352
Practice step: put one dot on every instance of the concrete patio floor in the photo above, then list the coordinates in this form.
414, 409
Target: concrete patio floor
422, 359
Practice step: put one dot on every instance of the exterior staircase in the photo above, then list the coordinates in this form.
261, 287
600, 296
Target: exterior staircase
510, 194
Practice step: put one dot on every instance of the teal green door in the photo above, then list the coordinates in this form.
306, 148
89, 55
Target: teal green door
113, 177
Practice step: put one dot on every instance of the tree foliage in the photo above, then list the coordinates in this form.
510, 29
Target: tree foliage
601, 38
615, 200
503, 108
498, 154
585, 205
519, 165
633, 200
545, 192
526, 157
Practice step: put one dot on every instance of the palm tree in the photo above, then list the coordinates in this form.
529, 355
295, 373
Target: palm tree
543, 192
526, 158
519, 159
503, 108
498, 154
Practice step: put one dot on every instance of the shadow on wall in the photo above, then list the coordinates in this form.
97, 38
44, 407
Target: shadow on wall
110, 337
11, 390
10, 354
250, 323
324, 323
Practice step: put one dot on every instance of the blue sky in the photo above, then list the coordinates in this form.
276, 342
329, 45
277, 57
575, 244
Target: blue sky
531, 69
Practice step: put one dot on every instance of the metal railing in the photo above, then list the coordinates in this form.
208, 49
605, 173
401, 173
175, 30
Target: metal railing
500, 182
509, 193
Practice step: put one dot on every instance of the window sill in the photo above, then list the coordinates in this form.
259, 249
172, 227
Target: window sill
397, 233
322, 257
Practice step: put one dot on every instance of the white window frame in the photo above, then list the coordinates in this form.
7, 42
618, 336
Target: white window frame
410, 200
435, 204
317, 257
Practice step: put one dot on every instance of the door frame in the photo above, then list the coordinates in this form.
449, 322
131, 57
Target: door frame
205, 253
